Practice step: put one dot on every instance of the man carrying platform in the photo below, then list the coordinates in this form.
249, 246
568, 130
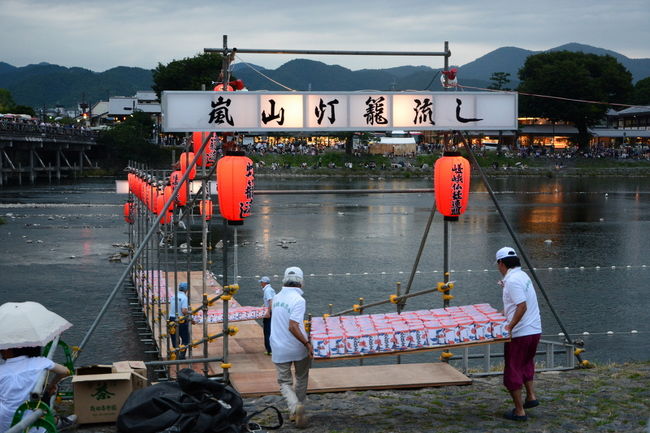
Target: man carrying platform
290, 344
525, 327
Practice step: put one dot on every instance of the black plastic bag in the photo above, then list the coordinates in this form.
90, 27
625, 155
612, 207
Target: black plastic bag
191, 404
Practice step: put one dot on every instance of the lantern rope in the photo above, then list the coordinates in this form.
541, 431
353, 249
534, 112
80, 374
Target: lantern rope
263, 75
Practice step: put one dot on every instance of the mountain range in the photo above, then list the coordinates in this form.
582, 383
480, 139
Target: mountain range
47, 85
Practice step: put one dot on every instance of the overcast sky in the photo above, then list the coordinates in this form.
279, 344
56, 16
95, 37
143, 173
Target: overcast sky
100, 35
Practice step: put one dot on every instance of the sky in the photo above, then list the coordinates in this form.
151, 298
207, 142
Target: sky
100, 35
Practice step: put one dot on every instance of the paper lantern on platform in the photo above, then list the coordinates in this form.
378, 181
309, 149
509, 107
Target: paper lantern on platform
206, 209
160, 204
174, 179
129, 208
451, 181
235, 185
184, 162
208, 157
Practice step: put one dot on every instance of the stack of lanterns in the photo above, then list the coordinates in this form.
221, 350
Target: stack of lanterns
235, 179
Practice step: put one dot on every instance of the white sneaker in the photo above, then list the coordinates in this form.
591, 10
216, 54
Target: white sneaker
301, 418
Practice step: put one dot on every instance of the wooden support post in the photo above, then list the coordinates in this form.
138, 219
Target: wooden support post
58, 165
32, 176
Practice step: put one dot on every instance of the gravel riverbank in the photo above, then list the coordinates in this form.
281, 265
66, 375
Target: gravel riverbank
608, 398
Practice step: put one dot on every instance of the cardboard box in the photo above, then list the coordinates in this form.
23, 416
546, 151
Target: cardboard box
126, 366
99, 393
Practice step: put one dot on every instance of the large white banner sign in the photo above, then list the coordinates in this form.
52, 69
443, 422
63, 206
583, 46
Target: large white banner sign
186, 111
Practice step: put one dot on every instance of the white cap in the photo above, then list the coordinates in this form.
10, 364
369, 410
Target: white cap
292, 275
265, 280
505, 252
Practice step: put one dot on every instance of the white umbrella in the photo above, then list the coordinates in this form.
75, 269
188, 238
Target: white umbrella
28, 324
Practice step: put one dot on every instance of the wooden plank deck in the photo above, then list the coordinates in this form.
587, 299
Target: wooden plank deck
253, 373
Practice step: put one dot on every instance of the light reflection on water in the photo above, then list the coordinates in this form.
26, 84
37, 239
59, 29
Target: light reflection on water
590, 222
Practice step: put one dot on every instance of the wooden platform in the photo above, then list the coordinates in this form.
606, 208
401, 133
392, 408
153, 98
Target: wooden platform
253, 373
359, 378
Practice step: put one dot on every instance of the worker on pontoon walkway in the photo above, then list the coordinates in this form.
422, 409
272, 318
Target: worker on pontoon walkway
525, 327
179, 306
290, 344
268, 294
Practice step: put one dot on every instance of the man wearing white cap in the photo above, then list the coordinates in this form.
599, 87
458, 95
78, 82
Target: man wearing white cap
269, 293
290, 343
525, 327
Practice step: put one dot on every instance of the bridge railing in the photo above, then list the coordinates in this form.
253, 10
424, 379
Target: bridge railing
47, 129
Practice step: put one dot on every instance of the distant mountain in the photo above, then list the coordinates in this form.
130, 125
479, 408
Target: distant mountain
511, 59
47, 85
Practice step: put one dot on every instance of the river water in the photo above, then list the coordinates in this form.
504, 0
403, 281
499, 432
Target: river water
586, 237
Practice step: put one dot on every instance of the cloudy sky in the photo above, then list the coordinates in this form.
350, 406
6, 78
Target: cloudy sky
100, 35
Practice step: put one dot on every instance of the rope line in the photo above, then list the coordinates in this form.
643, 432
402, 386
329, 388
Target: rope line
263, 75
585, 101
452, 271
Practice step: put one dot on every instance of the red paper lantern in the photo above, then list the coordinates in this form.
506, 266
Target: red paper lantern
219, 88
184, 161
174, 179
128, 212
235, 185
451, 182
208, 157
205, 207
160, 204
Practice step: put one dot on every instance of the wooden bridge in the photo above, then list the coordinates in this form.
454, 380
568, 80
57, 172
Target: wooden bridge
29, 151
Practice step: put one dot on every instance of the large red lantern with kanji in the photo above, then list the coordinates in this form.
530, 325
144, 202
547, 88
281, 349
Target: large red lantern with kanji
208, 157
184, 162
235, 185
451, 181
174, 179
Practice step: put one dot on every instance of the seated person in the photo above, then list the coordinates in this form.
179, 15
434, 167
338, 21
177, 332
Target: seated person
18, 376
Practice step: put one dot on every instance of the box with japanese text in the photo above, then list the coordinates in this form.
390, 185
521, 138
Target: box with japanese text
99, 394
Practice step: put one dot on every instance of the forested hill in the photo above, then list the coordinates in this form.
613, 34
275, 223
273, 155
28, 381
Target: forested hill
47, 85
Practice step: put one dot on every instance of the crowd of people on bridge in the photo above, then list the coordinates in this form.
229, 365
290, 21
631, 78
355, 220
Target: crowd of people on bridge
22, 124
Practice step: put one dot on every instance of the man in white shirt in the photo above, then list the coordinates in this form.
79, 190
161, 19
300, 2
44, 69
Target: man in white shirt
179, 307
525, 327
290, 344
268, 294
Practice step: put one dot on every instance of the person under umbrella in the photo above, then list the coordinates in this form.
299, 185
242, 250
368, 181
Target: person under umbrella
24, 328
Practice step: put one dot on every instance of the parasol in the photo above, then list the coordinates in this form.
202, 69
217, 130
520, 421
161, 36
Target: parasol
28, 324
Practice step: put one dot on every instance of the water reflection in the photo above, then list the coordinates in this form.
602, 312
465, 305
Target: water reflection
372, 237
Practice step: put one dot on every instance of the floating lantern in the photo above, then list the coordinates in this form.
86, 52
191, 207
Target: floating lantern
451, 185
205, 207
235, 185
184, 161
128, 212
208, 157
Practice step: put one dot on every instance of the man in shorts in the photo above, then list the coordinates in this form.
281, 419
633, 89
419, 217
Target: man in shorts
525, 327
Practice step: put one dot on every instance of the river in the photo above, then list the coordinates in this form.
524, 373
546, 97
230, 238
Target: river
586, 237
